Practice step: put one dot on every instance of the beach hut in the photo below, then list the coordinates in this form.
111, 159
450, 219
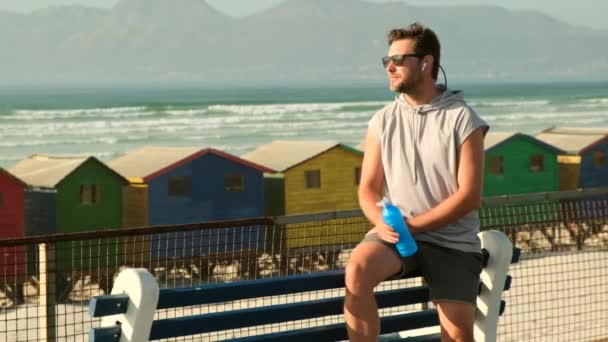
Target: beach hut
519, 163
190, 185
24, 211
12, 201
88, 198
316, 176
12, 224
584, 163
181, 185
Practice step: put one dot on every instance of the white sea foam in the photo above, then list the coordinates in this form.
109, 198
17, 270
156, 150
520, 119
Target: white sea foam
599, 103
186, 112
291, 108
509, 103
113, 112
354, 115
602, 100
47, 142
601, 121
93, 128
285, 134
544, 116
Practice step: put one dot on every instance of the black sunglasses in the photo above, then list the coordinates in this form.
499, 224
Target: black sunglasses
398, 60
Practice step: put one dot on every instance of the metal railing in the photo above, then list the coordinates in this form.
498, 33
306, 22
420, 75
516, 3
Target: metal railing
559, 291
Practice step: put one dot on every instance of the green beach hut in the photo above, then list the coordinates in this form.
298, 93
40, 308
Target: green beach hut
89, 198
517, 163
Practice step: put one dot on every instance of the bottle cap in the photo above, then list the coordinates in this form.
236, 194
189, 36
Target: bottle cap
384, 203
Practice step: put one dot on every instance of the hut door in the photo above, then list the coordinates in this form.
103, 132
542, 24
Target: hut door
569, 172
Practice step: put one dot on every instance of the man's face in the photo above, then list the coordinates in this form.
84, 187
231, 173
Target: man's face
404, 78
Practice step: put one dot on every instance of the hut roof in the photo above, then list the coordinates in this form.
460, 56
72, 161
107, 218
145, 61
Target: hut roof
11, 176
47, 171
152, 161
573, 140
361, 145
495, 139
282, 155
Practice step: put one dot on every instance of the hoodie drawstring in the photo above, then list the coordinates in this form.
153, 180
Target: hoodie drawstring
415, 146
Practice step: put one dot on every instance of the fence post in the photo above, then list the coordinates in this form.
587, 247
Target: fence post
47, 292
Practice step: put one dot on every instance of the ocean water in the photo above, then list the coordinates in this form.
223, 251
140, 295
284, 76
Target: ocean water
108, 121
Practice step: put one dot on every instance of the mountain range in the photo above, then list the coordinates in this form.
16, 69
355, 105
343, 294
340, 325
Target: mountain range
297, 41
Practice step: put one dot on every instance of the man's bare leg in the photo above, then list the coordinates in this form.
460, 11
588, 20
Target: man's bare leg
369, 264
457, 320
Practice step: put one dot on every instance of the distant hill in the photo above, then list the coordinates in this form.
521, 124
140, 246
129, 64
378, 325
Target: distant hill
298, 40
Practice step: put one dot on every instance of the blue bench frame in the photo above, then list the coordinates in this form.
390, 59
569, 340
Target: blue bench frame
120, 310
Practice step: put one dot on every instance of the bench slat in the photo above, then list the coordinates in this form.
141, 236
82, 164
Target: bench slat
108, 305
486, 256
105, 334
508, 281
507, 287
225, 292
217, 293
423, 338
516, 255
197, 324
337, 332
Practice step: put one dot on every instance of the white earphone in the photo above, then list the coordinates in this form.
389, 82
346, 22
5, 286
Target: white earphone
423, 66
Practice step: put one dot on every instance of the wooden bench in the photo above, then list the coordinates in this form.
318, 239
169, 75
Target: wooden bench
128, 313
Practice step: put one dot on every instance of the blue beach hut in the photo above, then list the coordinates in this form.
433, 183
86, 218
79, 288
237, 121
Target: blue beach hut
190, 185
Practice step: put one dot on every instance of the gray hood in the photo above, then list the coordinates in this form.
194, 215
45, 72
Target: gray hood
447, 99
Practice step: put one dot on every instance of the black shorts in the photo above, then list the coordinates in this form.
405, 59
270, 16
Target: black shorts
451, 275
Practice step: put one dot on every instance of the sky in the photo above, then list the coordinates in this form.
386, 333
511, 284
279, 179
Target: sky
590, 13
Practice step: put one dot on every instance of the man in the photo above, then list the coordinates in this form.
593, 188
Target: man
425, 152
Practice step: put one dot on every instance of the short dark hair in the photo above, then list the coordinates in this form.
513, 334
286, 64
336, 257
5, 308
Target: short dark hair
426, 40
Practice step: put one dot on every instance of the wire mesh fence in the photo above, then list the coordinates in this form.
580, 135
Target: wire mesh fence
560, 288
559, 291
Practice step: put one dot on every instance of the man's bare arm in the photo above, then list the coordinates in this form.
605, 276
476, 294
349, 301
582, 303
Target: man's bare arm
372, 179
371, 187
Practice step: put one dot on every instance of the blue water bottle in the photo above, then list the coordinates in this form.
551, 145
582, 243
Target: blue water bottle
392, 217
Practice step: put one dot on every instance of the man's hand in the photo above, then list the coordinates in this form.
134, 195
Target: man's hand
385, 232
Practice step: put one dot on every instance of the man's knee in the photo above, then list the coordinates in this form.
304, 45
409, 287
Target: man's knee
368, 265
357, 277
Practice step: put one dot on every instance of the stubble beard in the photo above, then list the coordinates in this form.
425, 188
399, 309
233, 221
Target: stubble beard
407, 86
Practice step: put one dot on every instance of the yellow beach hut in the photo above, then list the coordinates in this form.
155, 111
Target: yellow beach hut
315, 176
318, 176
